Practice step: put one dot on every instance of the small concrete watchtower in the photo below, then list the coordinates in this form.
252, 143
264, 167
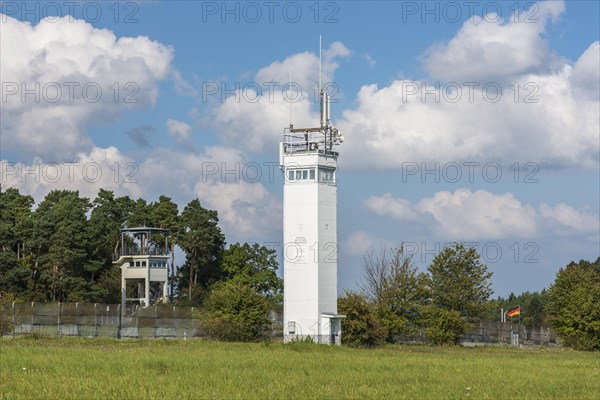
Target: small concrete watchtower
143, 260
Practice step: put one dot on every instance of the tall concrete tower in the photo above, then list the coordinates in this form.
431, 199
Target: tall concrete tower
309, 162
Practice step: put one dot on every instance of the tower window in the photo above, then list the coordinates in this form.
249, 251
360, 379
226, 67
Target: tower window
326, 175
302, 174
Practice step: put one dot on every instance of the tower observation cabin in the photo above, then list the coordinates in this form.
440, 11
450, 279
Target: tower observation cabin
143, 259
308, 159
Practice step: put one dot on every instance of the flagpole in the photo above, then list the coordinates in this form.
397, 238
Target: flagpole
519, 325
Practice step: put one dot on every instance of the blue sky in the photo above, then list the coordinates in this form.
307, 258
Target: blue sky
541, 213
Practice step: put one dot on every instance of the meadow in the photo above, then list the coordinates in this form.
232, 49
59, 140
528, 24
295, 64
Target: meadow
78, 368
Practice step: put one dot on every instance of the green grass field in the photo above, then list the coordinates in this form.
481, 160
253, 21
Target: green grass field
107, 369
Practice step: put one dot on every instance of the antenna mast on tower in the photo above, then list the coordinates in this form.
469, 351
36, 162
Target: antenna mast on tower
320, 49
322, 138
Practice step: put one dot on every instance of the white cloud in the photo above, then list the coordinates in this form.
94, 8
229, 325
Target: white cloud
305, 68
254, 121
178, 129
72, 67
103, 168
566, 220
247, 210
216, 176
390, 125
182, 86
257, 127
550, 117
370, 60
586, 74
400, 209
358, 243
489, 48
479, 215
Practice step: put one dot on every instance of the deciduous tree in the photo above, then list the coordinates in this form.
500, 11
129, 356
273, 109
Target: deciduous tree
253, 265
574, 304
459, 281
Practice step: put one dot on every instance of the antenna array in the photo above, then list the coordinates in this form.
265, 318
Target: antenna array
331, 136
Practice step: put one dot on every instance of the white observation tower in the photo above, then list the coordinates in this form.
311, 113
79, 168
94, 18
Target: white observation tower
143, 261
308, 159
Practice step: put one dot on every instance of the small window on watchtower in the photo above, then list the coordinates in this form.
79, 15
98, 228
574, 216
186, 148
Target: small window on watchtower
304, 174
326, 175
291, 175
312, 174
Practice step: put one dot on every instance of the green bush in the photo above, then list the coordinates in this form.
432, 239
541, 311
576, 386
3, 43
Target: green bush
360, 327
235, 312
444, 327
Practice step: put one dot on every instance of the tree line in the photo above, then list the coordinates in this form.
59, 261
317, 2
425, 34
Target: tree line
62, 250
396, 300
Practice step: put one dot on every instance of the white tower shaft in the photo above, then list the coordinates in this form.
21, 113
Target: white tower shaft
309, 164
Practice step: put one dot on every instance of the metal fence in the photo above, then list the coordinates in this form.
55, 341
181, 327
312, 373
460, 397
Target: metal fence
167, 321
490, 333
98, 320
516, 334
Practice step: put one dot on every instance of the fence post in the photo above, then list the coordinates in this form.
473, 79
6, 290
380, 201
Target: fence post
193, 332
77, 319
119, 321
174, 324
155, 321
58, 319
96, 319
13, 319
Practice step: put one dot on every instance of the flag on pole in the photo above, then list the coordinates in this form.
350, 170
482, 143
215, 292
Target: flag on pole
514, 311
